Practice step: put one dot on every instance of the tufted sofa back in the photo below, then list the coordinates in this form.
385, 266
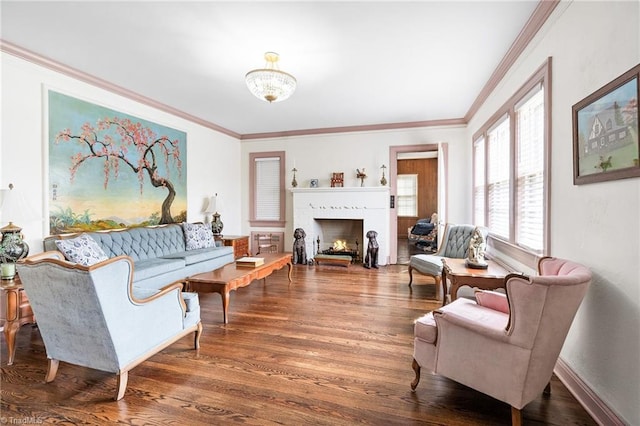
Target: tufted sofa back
142, 243
456, 241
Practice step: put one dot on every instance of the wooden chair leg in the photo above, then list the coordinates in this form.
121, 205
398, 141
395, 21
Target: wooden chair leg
416, 369
516, 417
196, 340
52, 370
410, 275
547, 390
123, 377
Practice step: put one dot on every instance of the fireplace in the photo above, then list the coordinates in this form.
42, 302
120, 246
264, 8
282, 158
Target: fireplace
320, 211
340, 237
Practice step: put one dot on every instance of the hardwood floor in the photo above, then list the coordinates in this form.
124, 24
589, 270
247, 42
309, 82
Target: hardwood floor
333, 348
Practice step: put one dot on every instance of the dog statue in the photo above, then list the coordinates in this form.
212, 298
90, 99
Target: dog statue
371, 259
299, 247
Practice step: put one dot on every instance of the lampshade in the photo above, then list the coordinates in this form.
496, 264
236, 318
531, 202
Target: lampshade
211, 206
13, 207
269, 83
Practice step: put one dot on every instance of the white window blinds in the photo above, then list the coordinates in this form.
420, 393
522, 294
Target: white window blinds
267, 184
498, 180
407, 196
478, 182
530, 171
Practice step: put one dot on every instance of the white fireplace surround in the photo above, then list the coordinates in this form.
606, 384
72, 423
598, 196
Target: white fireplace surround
371, 205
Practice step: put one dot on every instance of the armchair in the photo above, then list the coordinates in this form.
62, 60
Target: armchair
89, 315
454, 244
505, 346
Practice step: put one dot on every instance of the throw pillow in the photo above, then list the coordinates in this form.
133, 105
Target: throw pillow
197, 235
493, 300
82, 249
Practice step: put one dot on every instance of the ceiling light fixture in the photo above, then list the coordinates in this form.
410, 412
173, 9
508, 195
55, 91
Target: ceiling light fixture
269, 83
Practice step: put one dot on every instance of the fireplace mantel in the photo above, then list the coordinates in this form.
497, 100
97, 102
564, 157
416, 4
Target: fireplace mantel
370, 204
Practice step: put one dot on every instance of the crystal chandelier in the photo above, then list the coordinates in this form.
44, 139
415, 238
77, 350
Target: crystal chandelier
269, 83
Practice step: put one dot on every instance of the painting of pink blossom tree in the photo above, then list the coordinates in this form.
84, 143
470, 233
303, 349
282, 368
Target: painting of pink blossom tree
111, 170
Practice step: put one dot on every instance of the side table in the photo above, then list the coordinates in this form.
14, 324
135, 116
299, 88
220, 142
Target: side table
457, 272
240, 244
15, 311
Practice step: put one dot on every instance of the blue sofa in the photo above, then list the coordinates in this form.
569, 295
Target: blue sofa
159, 254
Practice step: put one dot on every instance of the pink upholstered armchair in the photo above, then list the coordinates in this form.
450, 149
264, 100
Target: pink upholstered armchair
505, 346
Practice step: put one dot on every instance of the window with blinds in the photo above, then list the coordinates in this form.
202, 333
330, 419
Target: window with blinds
478, 182
267, 188
407, 195
498, 183
510, 159
530, 171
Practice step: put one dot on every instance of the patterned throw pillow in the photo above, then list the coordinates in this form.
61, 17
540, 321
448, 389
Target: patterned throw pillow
197, 235
83, 250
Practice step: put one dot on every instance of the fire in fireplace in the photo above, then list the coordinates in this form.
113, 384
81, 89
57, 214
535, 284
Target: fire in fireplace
341, 248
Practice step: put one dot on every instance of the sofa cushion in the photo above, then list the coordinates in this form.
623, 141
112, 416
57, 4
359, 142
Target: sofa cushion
197, 236
428, 264
425, 328
197, 255
153, 267
82, 249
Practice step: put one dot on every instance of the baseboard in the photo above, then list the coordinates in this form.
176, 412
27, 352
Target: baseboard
596, 408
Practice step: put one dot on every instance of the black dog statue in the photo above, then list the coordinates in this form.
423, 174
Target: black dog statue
371, 259
299, 247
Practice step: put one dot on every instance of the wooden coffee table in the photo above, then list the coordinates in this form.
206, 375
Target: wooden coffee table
460, 275
231, 277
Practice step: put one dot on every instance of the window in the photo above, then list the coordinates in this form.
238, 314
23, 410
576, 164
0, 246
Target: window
510, 179
267, 188
407, 195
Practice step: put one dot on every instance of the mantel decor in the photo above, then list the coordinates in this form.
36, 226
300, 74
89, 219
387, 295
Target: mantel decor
605, 132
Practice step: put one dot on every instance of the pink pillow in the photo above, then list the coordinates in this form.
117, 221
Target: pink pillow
493, 300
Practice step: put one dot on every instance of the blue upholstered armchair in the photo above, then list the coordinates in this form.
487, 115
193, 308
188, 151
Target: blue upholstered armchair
455, 243
89, 316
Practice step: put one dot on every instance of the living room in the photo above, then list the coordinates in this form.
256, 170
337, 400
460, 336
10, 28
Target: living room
596, 224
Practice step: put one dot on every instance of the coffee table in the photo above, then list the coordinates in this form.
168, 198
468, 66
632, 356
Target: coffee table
231, 277
460, 275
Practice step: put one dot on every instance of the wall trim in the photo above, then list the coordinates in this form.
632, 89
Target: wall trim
591, 402
360, 128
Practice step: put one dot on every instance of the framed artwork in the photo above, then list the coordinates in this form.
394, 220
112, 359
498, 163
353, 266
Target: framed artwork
605, 132
109, 170
313, 183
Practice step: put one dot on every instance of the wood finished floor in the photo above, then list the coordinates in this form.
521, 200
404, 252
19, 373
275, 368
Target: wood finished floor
332, 348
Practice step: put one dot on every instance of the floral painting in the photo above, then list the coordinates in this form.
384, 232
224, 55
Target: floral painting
109, 170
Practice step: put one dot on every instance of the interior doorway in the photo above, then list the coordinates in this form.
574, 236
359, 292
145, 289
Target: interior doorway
429, 160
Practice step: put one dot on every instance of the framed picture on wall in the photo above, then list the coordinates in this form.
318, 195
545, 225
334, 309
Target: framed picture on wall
605, 132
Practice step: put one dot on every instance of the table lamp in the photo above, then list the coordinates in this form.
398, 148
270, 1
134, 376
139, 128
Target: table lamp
216, 223
12, 245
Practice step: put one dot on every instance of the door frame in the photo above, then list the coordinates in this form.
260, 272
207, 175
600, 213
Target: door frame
393, 188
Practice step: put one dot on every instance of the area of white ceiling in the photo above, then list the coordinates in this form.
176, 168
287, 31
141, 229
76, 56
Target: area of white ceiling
357, 63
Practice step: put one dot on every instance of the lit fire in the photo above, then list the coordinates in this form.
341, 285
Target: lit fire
339, 245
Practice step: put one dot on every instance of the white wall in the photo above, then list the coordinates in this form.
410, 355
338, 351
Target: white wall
212, 158
591, 43
317, 156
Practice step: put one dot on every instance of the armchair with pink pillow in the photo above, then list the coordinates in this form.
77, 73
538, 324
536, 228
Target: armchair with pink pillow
514, 338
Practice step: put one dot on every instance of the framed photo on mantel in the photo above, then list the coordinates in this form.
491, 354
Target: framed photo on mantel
605, 132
